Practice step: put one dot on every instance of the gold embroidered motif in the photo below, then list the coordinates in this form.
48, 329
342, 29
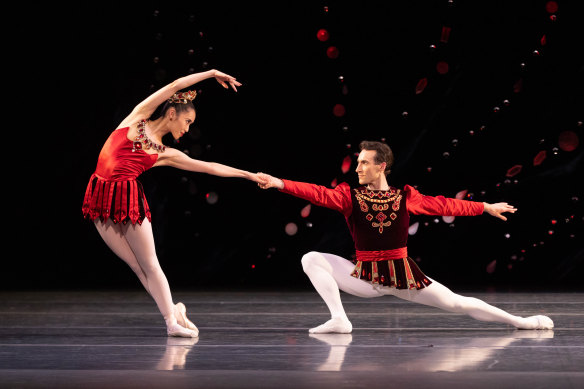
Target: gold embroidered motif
380, 200
396, 204
381, 217
383, 207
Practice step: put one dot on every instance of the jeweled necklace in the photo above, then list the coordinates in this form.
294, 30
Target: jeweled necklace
142, 142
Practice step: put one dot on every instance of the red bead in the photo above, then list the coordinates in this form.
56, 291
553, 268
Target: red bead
322, 35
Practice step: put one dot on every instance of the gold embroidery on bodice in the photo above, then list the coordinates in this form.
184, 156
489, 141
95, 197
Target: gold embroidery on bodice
381, 202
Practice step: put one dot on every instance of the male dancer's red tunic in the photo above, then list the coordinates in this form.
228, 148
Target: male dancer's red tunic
379, 222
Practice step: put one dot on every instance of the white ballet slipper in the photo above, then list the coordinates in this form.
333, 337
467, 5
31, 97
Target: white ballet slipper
537, 322
180, 331
336, 325
182, 319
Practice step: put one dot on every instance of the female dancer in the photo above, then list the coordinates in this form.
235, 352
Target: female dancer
378, 218
115, 200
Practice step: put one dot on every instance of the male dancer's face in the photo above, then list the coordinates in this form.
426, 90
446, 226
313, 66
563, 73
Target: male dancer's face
368, 170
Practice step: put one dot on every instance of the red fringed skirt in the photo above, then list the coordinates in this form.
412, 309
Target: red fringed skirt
400, 273
122, 201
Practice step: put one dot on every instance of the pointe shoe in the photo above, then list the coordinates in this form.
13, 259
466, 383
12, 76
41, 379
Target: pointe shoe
336, 325
538, 322
544, 323
178, 330
182, 319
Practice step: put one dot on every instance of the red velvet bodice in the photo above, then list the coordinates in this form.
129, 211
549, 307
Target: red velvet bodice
113, 190
117, 161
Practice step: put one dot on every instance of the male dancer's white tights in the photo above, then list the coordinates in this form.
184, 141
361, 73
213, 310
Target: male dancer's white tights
134, 243
329, 273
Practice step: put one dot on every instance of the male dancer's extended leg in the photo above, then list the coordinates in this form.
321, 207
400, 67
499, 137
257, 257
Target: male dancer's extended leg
135, 245
328, 273
439, 296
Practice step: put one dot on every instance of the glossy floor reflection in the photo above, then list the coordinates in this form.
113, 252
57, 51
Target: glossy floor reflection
260, 340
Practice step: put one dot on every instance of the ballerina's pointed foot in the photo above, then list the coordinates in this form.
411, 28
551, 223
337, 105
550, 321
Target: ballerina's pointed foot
182, 319
180, 331
537, 322
337, 326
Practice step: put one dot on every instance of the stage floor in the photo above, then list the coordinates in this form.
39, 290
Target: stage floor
117, 339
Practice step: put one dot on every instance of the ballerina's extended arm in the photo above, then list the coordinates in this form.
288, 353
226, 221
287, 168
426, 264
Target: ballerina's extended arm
180, 160
145, 108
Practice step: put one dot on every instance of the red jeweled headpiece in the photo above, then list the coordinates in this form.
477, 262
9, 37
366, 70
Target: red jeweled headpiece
183, 97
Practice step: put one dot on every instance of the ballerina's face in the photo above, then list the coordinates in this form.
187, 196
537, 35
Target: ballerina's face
179, 125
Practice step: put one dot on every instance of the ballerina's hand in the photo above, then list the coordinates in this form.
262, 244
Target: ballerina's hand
259, 178
498, 208
225, 79
269, 181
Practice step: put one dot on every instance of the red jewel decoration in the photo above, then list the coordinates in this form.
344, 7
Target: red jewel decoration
143, 143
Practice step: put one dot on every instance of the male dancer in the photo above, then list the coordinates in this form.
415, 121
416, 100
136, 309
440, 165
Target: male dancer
378, 219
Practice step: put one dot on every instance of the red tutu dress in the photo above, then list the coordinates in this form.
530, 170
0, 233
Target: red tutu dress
113, 190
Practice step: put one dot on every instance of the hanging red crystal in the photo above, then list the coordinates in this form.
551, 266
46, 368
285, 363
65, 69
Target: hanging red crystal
568, 140
442, 67
551, 7
539, 158
305, 212
339, 110
445, 34
346, 165
514, 171
518, 86
322, 35
421, 85
332, 52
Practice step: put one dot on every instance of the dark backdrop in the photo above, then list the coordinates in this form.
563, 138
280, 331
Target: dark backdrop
513, 88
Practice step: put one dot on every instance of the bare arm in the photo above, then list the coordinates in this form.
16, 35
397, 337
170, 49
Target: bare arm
149, 105
497, 209
174, 158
